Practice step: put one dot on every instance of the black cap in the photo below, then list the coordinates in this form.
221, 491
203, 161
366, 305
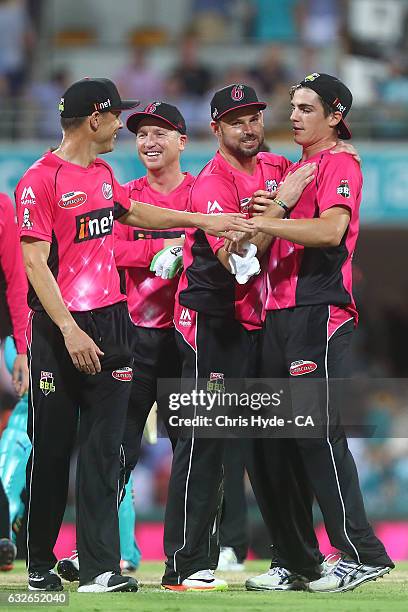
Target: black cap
86, 96
166, 112
335, 94
232, 97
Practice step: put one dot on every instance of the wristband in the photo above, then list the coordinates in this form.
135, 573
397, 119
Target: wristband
282, 204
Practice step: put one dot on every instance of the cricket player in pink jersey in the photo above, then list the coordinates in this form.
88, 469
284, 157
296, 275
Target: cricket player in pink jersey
309, 323
218, 320
79, 351
13, 321
160, 131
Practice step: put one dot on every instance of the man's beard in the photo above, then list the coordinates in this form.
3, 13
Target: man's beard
243, 152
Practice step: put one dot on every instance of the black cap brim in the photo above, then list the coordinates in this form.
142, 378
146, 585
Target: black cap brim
343, 130
133, 121
258, 105
128, 104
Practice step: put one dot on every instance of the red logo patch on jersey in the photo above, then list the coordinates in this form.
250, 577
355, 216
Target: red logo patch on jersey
298, 368
124, 374
73, 199
237, 93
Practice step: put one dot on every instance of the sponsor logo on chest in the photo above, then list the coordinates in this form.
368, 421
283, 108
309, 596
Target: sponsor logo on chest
244, 205
94, 224
216, 382
72, 199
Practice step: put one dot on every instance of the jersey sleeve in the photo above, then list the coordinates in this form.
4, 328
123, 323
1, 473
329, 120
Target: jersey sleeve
340, 183
11, 262
121, 199
35, 205
133, 253
211, 196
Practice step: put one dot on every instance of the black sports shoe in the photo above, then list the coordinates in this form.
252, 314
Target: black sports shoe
109, 582
68, 568
44, 581
8, 553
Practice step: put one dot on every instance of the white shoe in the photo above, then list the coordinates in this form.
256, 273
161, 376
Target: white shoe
108, 582
228, 561
277, 579
203, 580
346, 575
328, 563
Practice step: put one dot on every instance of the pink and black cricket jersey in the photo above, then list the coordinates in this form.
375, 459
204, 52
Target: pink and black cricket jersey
13, 280
73, 208
302, 276
206, 286
150, 298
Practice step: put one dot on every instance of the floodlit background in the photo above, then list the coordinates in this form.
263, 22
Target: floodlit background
181, 51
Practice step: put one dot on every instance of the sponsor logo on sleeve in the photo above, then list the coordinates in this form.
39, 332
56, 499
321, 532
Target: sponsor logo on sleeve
301, 367
344, 189
27, 223
72, 199
107, 191
271, 185
47, 385
123, 374
28, 197
185, 318
216, 382
213, 208
93, 225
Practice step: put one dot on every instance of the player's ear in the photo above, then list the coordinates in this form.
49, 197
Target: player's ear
182, 141
215, 126
94, 121
335, 118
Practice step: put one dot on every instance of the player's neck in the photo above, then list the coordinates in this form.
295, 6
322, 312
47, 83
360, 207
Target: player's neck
166, 179
243, 164
75, 150
312, 149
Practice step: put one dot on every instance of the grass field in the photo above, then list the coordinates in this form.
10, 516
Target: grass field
389, 594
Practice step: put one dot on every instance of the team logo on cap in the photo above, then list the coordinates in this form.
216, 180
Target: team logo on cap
312, 77
237, 93
344, 189
152, 108
61, 105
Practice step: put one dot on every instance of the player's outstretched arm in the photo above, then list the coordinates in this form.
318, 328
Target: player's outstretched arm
82, 349
153, 217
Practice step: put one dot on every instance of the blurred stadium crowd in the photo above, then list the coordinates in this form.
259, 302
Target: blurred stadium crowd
181, 51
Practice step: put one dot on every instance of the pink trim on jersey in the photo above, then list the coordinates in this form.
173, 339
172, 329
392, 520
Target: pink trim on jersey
73, 208
150, 298
290, 281
338, 317
11, 263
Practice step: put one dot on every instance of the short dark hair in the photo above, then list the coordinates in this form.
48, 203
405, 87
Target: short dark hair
327, 109
71, 123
